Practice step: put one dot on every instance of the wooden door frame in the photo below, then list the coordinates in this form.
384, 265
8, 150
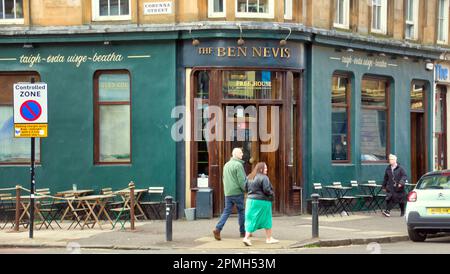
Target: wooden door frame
216, 159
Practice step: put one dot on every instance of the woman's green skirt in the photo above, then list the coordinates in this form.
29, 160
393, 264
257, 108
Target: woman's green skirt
258, 215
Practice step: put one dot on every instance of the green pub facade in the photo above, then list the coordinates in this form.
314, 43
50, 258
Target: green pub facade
338, 106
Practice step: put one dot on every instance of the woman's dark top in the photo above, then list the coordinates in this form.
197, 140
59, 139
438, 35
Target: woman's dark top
259, 188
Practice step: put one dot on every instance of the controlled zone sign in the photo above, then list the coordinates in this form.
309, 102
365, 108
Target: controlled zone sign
30, 110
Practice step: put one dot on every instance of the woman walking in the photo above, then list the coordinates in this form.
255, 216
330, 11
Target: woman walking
258, 210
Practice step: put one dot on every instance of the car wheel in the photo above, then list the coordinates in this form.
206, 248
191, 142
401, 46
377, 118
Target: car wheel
416, 236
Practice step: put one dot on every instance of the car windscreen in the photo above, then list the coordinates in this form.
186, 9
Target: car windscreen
434, 182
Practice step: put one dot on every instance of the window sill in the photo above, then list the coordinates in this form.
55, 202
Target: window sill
341, 27
255, 15
111, 18
374, 163
343, 164
217, 15
12, 21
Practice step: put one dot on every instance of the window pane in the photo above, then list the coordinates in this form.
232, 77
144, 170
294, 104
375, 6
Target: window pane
19, 9
339, 134
124, 7
373, 92
114, 88
339, 90
9, 9
251, 85
242, 5
14, 150
373, 135
417, 96
113, 7
103, 7
115, 133
218, 5
202, 85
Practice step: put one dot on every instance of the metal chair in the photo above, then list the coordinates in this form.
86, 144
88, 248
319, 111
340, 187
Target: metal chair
362, 200
345, 201
327, 205
155, 206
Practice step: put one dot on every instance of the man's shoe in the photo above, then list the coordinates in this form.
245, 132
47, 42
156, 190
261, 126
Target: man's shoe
217, 234
386, 213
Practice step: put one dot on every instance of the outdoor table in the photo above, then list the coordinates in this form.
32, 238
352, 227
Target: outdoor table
340, 192
374, 191
75, 194
125, 194
91, 203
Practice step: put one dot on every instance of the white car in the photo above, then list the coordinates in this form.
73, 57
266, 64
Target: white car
428, 207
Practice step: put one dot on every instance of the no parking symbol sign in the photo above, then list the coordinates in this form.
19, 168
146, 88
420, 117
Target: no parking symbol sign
30, 110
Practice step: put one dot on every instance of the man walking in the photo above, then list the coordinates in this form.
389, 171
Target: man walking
394, 186
234, 180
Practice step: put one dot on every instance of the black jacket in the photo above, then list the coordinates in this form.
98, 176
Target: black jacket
394, 183
259, 188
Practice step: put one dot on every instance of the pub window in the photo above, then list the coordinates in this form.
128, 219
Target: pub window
255, 8
379, 16
13, 150
442, 28
340, 118
342, 14
374, 119
105, 10
217, 8
412, 18
11, 12
417, 97
288, 9
202, 88
251, 85
112, 117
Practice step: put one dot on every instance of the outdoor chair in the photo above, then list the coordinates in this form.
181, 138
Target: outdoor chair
362, 200
327, 205
158, 201
7, 210
345, 201
380, 197
78, 214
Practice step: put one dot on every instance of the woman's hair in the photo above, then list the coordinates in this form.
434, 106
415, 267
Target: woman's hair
259, 169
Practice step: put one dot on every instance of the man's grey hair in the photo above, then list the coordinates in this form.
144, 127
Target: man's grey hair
236, 151
392, 156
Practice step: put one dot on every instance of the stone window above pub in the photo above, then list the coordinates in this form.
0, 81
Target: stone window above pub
217, 8
11, 12
111, 10
255, 8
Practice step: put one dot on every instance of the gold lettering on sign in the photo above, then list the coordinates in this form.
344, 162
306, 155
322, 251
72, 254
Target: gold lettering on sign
265, 52
221, 52
256, 52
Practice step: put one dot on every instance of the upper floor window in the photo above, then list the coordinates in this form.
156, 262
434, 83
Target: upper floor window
442, 30
379, 16
217, 8
106, 10
288, 9
412, 18
342, 14
255, 8
11, 11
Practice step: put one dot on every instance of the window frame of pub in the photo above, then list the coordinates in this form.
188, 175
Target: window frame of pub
97, 118
412, 19
347, 106
250, 14
442, 22
344, 6
212, 13
440, 136
386, 108
27, 143
18, 19
96, 16
381, 17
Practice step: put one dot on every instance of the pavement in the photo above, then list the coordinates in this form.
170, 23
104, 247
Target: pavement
292, 231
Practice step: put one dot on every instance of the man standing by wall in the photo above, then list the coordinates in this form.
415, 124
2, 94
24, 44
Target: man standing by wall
234, 186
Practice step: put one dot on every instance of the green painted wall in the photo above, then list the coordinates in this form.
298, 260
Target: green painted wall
323, 62
67, 154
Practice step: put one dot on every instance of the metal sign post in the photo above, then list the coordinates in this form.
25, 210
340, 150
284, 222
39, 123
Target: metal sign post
31, 121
